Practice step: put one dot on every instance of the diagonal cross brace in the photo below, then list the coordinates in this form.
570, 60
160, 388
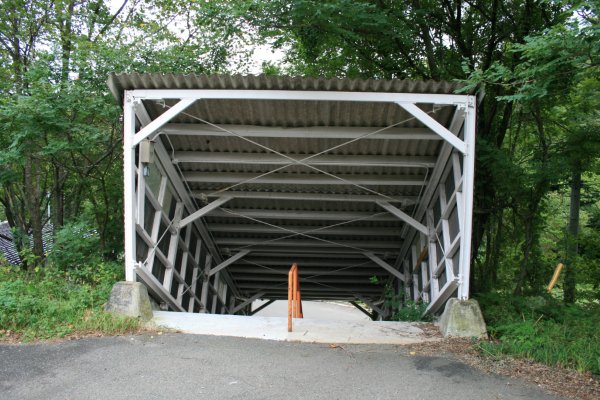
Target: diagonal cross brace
228, 262
247, 301
370, 304
435, 126
403, 216
268, 303
167, 116
361, 309
385, 266
204, 210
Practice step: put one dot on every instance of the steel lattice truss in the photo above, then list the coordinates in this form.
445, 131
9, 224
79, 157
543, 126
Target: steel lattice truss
366, 185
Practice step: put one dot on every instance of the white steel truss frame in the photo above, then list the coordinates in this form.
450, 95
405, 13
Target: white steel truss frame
441, 223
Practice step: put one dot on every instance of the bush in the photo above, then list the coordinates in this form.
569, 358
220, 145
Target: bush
75, 256
543, 329
75, 249
411, 311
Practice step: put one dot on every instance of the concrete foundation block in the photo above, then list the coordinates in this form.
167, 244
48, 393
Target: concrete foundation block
462, 319
130, 299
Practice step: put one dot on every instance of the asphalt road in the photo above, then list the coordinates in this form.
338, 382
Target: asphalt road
177, 366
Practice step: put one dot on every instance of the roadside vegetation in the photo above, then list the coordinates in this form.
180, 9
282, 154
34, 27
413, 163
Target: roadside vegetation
65, 297
543, 329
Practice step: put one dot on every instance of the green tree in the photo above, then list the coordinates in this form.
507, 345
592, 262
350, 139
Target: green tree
557, 84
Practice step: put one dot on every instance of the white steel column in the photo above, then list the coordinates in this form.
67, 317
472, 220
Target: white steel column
205, 283
467, 189
217, 287
129, 187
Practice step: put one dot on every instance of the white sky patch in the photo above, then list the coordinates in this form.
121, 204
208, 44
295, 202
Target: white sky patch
265, 53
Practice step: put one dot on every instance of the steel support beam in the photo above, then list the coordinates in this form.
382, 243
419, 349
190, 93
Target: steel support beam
247, 301
445, 292
302, 215
262, 273
468, 187
155, 125
305, 95
228, 262
403, 216
311, 251
305, 179
129, 172
385, 266
157, 287
262, 307
435, 126
371, 304
357, 245
203, 157
316, 230
315, 132
203, 211
352, 198
361, 309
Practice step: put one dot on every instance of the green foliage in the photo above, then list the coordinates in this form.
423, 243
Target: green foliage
403, 310
51, 303
75, 252
411, 311
543, 329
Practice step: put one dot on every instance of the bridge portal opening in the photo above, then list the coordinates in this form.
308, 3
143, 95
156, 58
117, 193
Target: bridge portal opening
367, 185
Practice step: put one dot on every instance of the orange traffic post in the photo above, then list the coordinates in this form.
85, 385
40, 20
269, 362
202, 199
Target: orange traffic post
294, 298
300, 315
290, 297
296, 293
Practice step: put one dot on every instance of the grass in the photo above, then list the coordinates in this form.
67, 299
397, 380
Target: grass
543, 329
49, 303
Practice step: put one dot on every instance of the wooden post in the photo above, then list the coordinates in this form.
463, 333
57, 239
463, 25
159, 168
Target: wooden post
290, 296
557, 272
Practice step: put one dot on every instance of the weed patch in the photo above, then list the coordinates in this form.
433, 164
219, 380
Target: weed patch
543, 329
49, 303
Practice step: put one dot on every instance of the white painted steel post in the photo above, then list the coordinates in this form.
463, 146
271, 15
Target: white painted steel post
129, 186
467, 189
205, 283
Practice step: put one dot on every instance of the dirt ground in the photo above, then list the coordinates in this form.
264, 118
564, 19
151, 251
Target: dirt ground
561, 381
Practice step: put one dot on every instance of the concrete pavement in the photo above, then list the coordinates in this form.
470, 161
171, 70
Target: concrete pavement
316, 310
179, 366
304, 330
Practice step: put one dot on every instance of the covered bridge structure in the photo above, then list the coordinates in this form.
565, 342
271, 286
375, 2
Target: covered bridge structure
367, 185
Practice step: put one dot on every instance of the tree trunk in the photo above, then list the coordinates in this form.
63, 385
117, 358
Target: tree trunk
32, 203
497, 247
58, 213
526, 248
572, 237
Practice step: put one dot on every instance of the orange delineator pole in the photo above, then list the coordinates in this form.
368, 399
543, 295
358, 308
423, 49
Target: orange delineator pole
299, 304
294, 298
296, 309
291, 296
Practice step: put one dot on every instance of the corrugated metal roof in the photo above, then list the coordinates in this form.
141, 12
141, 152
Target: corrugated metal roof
299, 128
121, 82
